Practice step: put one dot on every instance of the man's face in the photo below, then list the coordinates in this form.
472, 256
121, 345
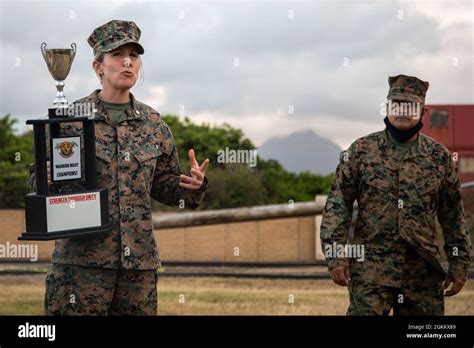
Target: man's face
404, 115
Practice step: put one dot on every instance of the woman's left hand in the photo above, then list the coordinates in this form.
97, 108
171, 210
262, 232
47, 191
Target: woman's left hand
198, 172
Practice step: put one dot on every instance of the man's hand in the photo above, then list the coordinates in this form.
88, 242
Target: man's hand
457, 286
198, 172
340, 275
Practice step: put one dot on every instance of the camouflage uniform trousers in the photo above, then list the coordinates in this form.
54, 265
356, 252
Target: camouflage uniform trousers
421, 292
78, 290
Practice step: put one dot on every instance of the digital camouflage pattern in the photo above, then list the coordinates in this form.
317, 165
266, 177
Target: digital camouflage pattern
114, 34
407, 88
115, 273
136, 160
399, 198
76, 290
421, 291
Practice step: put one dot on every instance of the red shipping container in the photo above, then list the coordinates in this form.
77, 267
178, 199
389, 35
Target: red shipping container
453, 126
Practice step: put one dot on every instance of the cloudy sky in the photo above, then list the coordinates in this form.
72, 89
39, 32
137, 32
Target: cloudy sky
251, 63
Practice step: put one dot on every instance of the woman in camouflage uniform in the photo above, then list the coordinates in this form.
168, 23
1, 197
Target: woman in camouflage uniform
116, 273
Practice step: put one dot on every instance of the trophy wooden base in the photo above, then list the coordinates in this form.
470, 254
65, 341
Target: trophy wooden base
72, 215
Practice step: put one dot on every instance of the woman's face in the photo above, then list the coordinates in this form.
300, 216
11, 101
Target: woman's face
119, 68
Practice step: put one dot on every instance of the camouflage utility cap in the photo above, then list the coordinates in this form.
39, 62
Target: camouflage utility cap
407, 88
114, 34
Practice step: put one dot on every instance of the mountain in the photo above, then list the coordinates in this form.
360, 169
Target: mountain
302, 151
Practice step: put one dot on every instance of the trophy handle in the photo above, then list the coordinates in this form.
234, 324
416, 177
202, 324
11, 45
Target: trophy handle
73, 46
43, 51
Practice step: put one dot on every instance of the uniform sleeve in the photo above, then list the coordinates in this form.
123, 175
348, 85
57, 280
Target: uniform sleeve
166, 188
452, 220
337, 214
31, 180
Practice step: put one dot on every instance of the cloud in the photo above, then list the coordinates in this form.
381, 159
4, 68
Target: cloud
289, 54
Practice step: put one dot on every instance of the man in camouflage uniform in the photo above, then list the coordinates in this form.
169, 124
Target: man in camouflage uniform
402, 181
116, 273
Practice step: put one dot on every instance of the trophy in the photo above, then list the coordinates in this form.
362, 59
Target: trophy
73, 206
59, 62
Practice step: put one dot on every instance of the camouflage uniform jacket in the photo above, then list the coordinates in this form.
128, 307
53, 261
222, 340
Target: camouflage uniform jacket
399, 199
136, 160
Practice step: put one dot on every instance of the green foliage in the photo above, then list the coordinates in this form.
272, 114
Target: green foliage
238, 185
205, 140
282, 186
230, 184
16, 152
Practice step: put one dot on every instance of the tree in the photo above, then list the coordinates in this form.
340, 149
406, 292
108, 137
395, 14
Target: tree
237, 184
16, 152
230, 184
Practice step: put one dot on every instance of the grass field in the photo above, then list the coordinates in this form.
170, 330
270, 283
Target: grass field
23, 295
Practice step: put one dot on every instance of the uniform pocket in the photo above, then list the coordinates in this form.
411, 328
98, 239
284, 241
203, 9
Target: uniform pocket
377, 192
106, 171
377, 201
427, 195
378, 181
146, 152
427, 192
104, 152
147, 156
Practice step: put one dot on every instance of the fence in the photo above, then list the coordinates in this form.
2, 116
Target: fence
267, 234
